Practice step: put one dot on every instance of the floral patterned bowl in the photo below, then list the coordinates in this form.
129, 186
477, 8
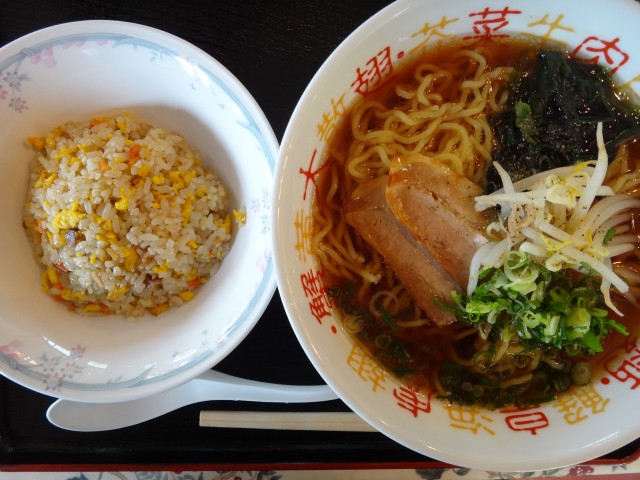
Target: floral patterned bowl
583, 424
73, 72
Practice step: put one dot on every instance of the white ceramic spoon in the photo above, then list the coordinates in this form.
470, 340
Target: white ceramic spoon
212, 385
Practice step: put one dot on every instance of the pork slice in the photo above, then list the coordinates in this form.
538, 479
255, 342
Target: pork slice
368, 213
438, 207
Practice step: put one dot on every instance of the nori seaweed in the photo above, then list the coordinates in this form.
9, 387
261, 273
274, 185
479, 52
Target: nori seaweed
567, 97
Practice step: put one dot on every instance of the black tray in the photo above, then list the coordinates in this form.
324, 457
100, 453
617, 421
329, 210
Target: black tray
270, 353
274, 48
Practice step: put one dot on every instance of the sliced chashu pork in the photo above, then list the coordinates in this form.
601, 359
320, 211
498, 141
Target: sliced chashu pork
438, 207
425, 280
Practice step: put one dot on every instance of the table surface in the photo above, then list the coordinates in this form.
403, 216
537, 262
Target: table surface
274, 48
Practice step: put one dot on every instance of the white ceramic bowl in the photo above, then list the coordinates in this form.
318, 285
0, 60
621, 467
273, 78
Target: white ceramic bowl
583, 426
73, 72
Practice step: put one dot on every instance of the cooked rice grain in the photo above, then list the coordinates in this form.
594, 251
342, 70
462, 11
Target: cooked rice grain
123, 217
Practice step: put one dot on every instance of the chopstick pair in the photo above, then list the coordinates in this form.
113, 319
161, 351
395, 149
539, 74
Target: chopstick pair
316, 421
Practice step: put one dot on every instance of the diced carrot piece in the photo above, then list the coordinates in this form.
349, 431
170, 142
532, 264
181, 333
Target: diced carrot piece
97, 121
134, 154
196, 282
134, 151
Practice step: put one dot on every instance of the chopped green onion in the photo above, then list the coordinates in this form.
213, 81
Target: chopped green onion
609, 236
540, 306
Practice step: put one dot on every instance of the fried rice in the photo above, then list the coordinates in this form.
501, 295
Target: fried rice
123, 217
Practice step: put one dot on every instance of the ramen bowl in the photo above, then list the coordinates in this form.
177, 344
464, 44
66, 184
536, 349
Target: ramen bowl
580, 425
84, 70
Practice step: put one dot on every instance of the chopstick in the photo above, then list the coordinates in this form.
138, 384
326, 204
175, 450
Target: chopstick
326, 421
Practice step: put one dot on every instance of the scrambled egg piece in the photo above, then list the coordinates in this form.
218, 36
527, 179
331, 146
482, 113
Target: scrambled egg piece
241, 216
68, 218
157, 179
226, 223
187, 295
130, 258
187, 208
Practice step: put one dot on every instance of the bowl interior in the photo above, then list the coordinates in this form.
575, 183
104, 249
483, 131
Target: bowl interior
80, 70
580, 426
